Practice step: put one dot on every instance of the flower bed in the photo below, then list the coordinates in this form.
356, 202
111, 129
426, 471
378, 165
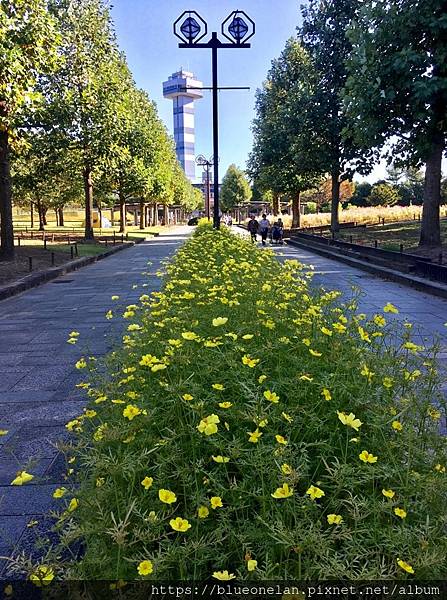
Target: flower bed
255, 427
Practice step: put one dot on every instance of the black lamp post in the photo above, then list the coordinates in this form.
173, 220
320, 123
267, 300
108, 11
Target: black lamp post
206, 164
237, 28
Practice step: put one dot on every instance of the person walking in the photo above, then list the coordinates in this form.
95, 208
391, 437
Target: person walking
264, 226
253, 227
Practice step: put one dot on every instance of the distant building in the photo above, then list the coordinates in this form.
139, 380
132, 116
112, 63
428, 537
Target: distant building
182, 88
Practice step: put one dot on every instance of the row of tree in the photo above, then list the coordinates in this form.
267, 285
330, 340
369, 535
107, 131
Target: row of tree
361, 80
72, 121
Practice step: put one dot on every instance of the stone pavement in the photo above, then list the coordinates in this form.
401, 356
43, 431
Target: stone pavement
37, 374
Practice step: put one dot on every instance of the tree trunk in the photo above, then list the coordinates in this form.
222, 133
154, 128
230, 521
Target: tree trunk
56, 214
44, 215
40, 212
165, 215
60, 210
142, 211
122, 213
296, 210
430, 227
112, 216
275, 205
155, 221
88, 196
335, 202
7, 226
32, 214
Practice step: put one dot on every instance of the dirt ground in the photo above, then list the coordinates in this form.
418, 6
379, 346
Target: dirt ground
20, 266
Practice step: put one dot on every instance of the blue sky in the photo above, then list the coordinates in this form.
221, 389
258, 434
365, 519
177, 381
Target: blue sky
144, 30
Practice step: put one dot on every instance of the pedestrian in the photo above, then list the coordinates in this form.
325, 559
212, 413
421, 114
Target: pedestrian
253, 227
264, 226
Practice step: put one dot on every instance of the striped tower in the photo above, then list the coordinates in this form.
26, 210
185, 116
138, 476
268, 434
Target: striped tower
177, 89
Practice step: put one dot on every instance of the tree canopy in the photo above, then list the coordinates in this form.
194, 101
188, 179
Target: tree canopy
235, 188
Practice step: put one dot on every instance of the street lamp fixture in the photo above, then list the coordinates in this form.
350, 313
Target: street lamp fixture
237, 28
206, 164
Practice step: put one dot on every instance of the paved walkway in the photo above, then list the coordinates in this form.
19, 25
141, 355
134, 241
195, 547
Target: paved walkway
37, 374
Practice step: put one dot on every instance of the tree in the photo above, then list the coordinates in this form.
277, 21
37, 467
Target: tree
323, 36
27, 48
397, 90
383, 194
279, 161
235, 188
360, 196
82, 97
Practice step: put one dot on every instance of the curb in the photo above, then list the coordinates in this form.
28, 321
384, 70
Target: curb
418, 283
32, 281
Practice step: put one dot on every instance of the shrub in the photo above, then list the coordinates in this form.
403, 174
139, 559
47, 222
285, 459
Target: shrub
253, 417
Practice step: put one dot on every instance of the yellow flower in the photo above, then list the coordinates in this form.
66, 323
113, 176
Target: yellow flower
59, 492
315, 492
175, 343
283, 492
74, 503
219, 321
440, 468
218, 386
100, 481
223, 575
187, 397
81, 364
400, 512
326, 331
364, 335
3, 432
189, 335
405, 566
225, 404
287, 417
254, 436
109, 315
280, 439
115, 297
167, 496
338, 327
286, 469
22, 478
248, 336
367, 373
387, 382
306, 378
180, 524
388, 493
43, 575
216, 502
334, 519
203, 512
158, 367
390, 308
314, 352
397, 425
208, 425
379, 320
131, 411
147, 360
271, 396
220, 459
147, 482
326, 394
251, 564
263, 423
145, 568
8, 590
306, 341
249, 362
262, 378
434, 413
366, 457
349, 420
269, 324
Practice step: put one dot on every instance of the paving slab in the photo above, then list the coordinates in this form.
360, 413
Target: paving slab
38, 378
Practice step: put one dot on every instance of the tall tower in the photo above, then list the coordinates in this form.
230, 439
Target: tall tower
178, 88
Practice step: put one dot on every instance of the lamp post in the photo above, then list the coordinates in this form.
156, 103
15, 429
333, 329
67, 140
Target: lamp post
206, 164
237, 28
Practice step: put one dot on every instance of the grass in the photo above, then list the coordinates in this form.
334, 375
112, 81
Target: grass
254, 426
